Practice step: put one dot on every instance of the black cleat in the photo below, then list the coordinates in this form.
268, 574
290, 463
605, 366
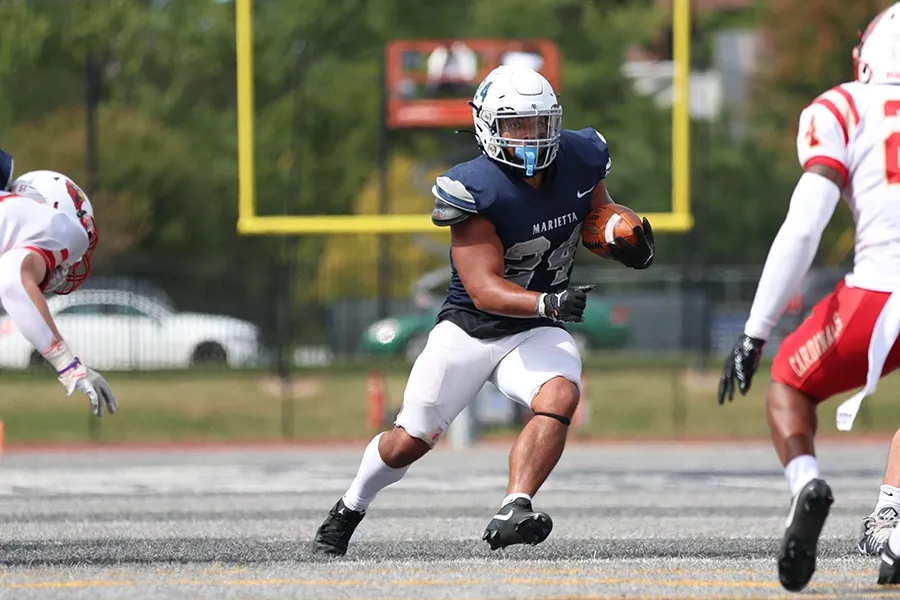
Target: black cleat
876, 529
517, 523
797, 559
889, 571
334, 534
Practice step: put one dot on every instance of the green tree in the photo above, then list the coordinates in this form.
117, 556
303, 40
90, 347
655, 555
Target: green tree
809, 52
167, 126
350, 263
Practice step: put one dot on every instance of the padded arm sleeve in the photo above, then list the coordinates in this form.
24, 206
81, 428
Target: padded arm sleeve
444, 214
454, 193
18, 303
792, 252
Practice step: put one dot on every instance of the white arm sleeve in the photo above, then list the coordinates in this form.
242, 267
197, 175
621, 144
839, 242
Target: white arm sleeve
18, 303
792, 251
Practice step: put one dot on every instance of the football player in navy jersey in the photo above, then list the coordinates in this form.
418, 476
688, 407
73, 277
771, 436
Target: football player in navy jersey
6, 171
515, 215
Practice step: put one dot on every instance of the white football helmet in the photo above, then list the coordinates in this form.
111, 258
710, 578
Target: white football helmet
877, 57
518, 118
61, 193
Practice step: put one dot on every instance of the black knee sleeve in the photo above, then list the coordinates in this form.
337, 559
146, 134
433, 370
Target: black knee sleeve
564, 420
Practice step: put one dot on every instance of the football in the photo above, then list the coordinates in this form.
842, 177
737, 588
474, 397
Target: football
603, 225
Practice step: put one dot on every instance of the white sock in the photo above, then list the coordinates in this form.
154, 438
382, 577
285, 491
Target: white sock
514, 496
894, 541
889, 496
801, 471
372, 477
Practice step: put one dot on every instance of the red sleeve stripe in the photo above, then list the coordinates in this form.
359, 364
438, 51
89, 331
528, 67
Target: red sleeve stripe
850, 102
832, 163
49, 258
52, 258
837, 115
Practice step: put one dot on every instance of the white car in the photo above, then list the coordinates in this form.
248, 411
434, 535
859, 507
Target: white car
119, 330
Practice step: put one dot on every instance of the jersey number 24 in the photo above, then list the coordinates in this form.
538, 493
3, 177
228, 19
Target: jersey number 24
523, 259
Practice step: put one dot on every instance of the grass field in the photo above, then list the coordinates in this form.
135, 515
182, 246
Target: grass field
329, 404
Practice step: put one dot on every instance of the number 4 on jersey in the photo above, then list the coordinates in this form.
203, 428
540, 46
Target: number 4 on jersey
811, 138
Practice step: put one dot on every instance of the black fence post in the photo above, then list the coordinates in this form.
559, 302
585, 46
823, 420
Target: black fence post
283, 336
384, 246
92, 82
678, 407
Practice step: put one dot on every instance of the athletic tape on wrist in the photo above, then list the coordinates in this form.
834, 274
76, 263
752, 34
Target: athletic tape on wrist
61, 357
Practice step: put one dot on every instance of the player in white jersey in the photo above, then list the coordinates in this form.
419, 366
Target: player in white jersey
848, 144
47, 238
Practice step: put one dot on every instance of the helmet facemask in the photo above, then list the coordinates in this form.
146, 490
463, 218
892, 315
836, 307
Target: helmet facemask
75, 275
526, 139
80, 271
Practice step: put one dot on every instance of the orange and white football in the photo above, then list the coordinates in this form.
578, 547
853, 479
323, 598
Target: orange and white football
603, 225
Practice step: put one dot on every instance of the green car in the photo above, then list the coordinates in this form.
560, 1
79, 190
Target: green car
605, 326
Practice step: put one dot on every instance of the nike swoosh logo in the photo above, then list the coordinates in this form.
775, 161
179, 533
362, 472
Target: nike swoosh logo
585, 192
505, 517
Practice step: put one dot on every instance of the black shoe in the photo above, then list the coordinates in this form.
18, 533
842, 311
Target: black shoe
876, 529
334, 534
517, 523
889, 571
797, 559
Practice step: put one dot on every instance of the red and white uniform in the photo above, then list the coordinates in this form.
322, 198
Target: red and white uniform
855, 129
849, 339
31, 224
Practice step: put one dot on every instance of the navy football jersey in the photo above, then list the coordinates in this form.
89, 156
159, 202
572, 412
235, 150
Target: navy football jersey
540, 229
6, 171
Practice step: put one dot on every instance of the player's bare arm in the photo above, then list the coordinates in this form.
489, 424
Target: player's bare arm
478, 255
601, 196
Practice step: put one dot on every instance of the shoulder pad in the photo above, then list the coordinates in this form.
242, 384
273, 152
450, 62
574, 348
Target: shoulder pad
454, 193
593, 149
470, 186
840, 106
445, 214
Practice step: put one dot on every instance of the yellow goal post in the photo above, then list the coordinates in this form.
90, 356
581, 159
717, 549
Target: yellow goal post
678, 220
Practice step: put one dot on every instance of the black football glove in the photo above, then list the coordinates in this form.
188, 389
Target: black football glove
567, 306
636, 257
741, 363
